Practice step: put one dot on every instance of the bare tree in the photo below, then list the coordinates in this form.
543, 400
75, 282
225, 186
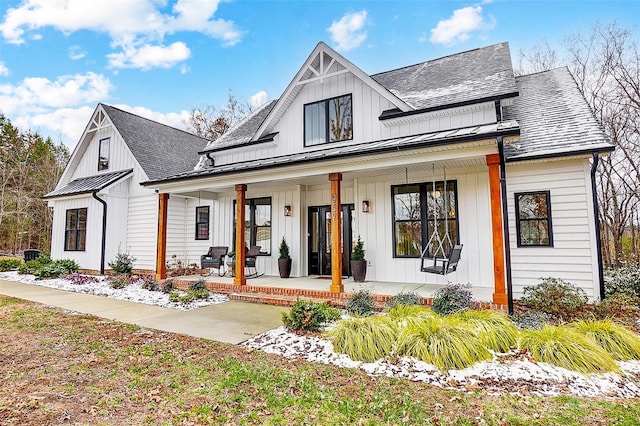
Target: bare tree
211, 122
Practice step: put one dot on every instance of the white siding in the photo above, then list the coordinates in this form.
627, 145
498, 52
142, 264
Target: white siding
573, 257
196, 248
142, 228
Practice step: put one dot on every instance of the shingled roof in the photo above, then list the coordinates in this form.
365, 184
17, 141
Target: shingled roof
160, 150
554, 118
478, 74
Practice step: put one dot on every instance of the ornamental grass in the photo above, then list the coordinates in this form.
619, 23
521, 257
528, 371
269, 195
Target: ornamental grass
364, 338
494, 329
565, 347
444, 342
404, 314
620, 342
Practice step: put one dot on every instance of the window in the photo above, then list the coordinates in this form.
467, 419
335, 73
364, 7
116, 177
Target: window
103, 154
534, 219
257, 228
418, 210
328, 121
75, 234
202, 223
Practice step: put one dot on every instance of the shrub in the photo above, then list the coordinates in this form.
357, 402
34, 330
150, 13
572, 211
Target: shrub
624, 280
621, 306
619, 342
567, 348
174, 296
402, 298
358, 250
442, 341
524, 319
123, 263
9, 264
309, 315
198, 294
406, 313
119, 282
452, 298
360, 303
33, 266
200, 284
555, 297
150, 283
283, 251
168, 286
494, 329
56, 268
80, 279
364, 338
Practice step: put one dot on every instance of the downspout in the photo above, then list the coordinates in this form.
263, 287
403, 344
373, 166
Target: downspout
104, 230
505, 225
594, 195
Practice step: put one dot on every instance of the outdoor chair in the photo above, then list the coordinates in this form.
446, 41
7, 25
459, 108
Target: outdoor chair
214, 259
443, 265
250, 261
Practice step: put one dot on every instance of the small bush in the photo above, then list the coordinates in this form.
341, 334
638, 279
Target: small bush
495, 330
9, 264
80, 279
555, 297
364, 338
119, 282
199, 294
567, 348
525, 319
624, 280
444, 342
360, 303
309, 315
402, 298
149, 283
403, 313
168, 286
620, 306
452, 298
34, 266
200, 284
619, 342
123, 263
174, 296
56, 268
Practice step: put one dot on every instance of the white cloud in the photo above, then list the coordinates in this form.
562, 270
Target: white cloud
75, 53
132, 25
459, 26
348, 33
63, 124
172, 119
258, 99
4, 71
147, 56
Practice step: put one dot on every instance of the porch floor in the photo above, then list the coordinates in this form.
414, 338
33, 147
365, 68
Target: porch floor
317, 287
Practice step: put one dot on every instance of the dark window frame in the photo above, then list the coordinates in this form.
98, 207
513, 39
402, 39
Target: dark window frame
74, 233
327, 135
425, 231
104, 165
546, 218
199, 222
252, 203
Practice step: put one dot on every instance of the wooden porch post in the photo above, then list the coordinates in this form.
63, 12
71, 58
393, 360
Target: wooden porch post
336, 228
161, 253
500, 294
241, 192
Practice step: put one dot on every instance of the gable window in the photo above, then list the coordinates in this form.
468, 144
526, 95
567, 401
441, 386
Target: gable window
328, 121
257, 225
533, 221
75, 234
103, 154
418, 211
202, 223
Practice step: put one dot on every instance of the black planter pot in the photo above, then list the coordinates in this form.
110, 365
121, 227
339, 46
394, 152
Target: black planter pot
284, 267
359, 270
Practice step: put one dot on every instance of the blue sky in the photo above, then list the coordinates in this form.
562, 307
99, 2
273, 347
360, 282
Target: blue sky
161, 58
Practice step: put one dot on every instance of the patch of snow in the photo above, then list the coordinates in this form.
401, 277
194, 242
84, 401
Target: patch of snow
510, 373
132, 292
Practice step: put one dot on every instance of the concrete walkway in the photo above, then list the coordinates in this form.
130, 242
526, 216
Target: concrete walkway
230, 322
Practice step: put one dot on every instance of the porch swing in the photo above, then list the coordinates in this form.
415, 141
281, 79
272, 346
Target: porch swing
439, 262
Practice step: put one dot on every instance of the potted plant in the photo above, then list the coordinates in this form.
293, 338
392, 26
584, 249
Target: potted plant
358, 262
284, 259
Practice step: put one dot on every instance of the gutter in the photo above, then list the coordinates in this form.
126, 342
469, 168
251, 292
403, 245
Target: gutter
505, 225
104, 230
594, 196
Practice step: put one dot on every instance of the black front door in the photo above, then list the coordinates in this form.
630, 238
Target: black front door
320, 239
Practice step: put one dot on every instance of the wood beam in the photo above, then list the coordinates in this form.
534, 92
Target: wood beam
336, 230
241, 192
500, 294
161, 252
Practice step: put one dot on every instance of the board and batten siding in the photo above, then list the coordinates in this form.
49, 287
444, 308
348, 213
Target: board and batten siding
367, 105
573, 256
376, 230
142, 230
181, 230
